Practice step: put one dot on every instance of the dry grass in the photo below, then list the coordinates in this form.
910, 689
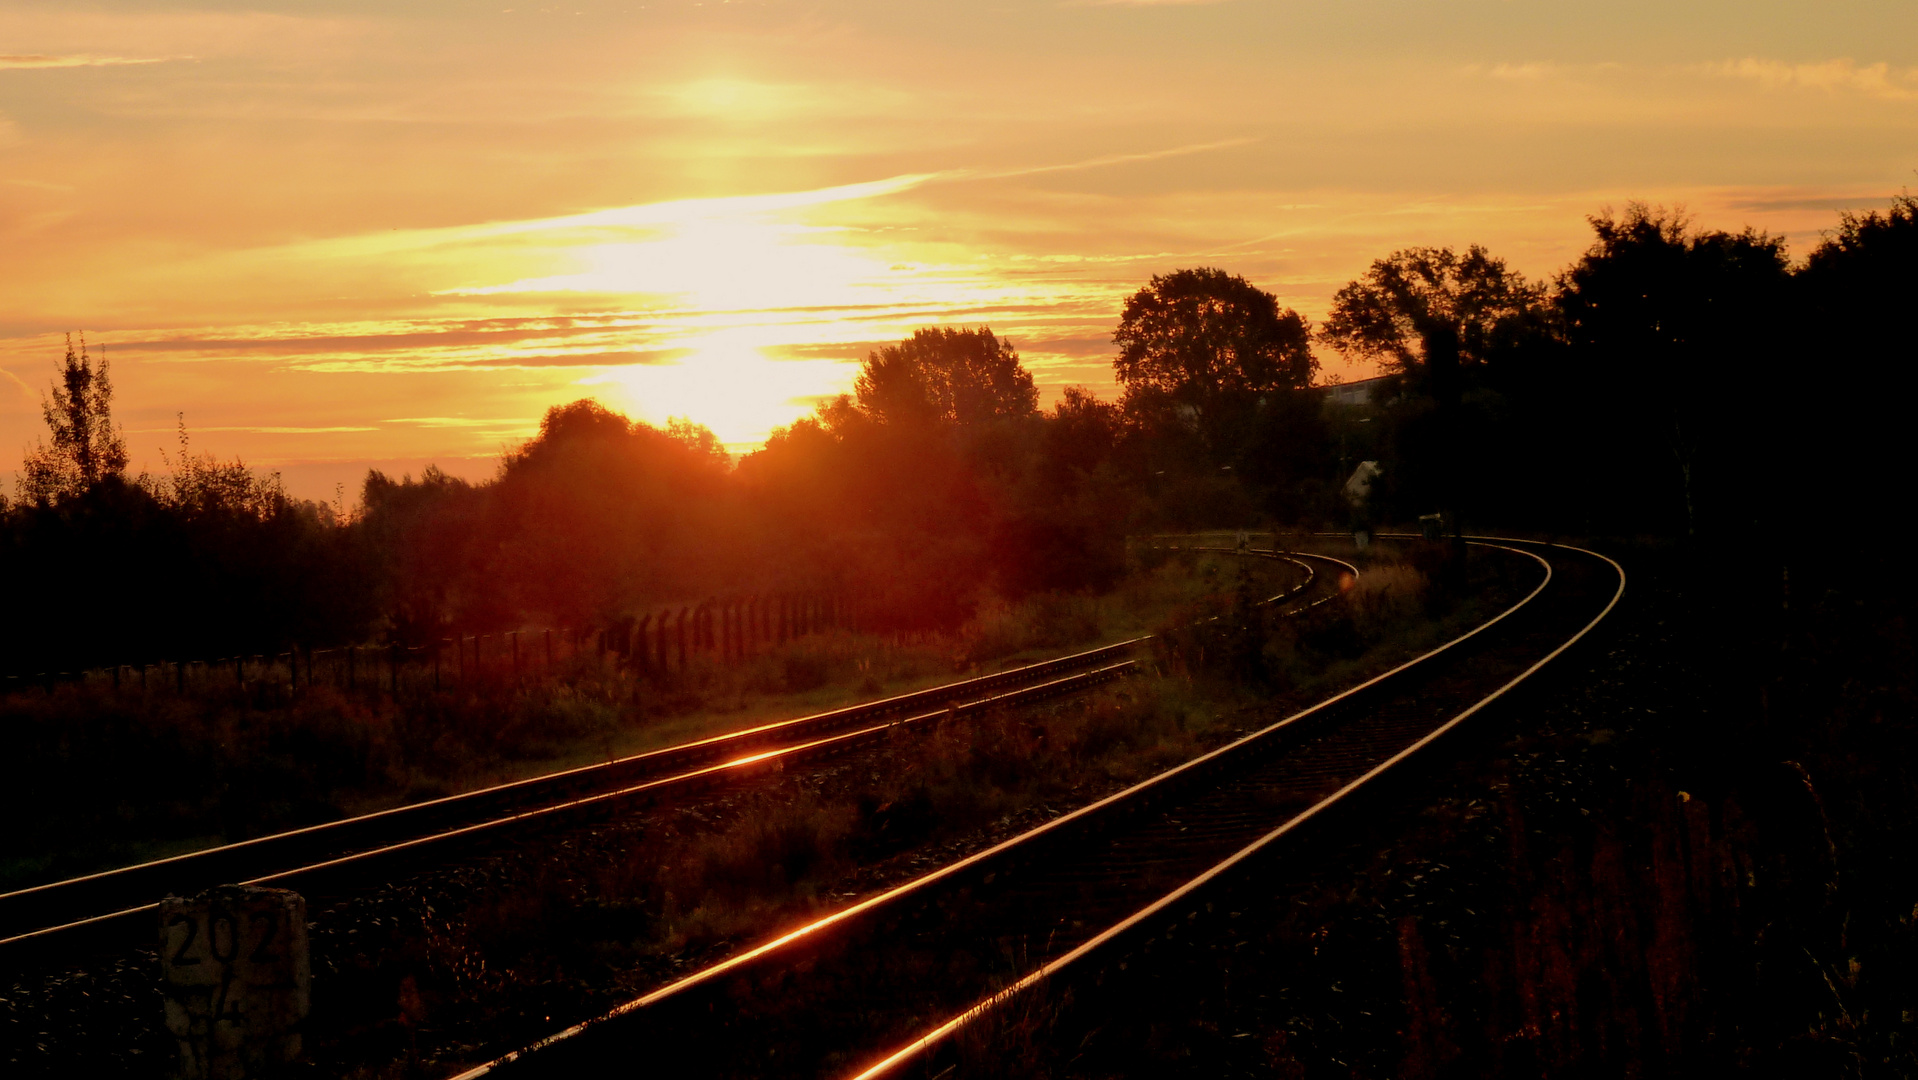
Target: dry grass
106, 777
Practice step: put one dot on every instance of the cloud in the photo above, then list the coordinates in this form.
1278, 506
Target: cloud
40, 60
1527, 72
1879, 80
262, 430
1110, 159
8, 378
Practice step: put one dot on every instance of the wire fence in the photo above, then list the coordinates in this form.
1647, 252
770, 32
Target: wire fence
659, 645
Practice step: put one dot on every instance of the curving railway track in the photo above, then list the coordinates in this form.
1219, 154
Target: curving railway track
884, 987
118, 905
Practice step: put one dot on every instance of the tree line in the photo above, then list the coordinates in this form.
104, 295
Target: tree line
1673, 381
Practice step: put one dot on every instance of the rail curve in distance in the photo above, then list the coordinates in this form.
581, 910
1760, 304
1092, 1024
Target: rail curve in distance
886, 983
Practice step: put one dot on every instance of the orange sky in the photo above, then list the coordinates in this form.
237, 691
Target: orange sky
342, 234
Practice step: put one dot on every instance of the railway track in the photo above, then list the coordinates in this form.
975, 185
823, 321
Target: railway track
883, 987
118, 905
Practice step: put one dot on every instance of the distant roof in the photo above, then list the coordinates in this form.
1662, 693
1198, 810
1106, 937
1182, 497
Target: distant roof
1356, 390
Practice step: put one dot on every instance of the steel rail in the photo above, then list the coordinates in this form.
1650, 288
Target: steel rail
839, 742
1113, 937
285, 857
1161, 786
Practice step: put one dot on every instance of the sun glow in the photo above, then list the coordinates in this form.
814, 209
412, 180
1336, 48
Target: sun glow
728, 384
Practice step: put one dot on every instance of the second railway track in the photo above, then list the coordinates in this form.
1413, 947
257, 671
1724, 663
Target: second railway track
118, 905
883, 985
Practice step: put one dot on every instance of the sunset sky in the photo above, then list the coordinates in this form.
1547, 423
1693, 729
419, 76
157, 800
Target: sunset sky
336, 235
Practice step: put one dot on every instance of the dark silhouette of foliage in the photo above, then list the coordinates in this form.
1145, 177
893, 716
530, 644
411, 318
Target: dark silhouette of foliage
1426, 312
1215, 378
1676, 334
86, 449
1208, 341
946, 374
1858, 289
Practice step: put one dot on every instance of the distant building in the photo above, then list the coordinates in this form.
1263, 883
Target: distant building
1360, 392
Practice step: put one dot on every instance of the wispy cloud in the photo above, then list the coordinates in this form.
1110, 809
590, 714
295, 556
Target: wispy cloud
1111, 159
1879, 80
515, 422
250, 430
8, 378
42, 60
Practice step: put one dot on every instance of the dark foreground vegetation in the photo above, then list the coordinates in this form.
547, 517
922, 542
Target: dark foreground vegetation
1648, 866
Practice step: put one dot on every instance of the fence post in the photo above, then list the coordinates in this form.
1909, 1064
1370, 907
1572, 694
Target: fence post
642, 654
679, 626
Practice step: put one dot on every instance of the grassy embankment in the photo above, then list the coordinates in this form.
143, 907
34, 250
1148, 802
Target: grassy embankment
562, 932
105, 777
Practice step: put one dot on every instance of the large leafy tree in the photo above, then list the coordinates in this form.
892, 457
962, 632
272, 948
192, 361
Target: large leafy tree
86, 447
1428, 312
1858, 289
1208, 341
1679, 332
946, 374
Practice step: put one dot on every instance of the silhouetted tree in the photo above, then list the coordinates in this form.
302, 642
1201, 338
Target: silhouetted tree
86, 448
1427, 312
1207, 344
946, 374
1678, 334
1858, 289
599, 513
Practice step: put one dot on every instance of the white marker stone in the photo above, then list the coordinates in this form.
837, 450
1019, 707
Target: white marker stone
236, 978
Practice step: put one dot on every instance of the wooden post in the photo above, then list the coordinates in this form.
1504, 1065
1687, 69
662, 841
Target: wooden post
679, 626
642, 654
